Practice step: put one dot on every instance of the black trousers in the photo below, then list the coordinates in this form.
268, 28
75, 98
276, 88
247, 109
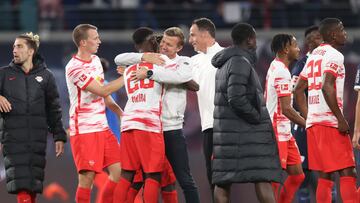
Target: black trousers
177, 154
208, 151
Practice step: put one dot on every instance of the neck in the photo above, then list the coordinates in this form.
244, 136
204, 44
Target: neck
172, 57
209, 43
27, 66
83, 55
284, 59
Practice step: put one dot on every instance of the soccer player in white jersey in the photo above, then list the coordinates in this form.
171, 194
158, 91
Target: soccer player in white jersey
174, 104
329, 144
142, 141
94, 147
278, 102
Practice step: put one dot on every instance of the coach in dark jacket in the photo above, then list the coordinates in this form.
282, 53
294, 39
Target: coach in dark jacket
29, 104
245, 147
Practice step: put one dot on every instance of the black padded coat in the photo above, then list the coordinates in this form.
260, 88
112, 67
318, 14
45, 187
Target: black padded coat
35, 111
245, 148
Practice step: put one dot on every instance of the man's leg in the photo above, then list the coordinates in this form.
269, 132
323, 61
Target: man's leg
222, 193
293, 181
348, 188
123, 186
208, 150
151, 187
264, 192
107, 192
176, 153
86, 179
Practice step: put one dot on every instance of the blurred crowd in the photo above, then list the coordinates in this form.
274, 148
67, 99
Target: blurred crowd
51, 15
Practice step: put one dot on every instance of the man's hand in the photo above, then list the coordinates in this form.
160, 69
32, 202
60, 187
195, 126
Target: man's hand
153, 58
5, 105
120, 70
355, 139
140, 74
59, 148
343, 126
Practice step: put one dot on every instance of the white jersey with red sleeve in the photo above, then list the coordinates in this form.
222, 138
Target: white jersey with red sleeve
278, 84
87, 110
144, 106
324, 59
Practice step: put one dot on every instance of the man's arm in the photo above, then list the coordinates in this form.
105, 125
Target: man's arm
126, 59
356, 136
289, 111
167, 74
329, 93
104, 91
237, 90
54, 115
192, 86
300, 97
113, 106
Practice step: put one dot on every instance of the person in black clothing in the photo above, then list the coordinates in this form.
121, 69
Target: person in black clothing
29, 106
245, 148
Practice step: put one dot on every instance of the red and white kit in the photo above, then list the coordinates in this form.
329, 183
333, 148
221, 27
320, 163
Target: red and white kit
328, 149
323, 59
87, 110
278, 84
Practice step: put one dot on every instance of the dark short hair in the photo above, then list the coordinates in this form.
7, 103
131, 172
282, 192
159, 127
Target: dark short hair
327, 25
310, 29
241, 32
140, 35
205, 24
153, 42
280, 41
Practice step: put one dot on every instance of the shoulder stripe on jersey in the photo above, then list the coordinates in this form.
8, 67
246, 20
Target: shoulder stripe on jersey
84, 87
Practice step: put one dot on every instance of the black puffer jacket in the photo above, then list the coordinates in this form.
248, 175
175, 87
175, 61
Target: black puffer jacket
35, 111
245, 148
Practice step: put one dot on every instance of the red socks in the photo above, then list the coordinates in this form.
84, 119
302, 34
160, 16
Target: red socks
275, 188
169, 197
121, 190
348, 189
131, 195
151, 190
107, 193
25, 197
290, 187
323, 190
82, 195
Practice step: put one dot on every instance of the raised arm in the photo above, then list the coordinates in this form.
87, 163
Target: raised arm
126, 59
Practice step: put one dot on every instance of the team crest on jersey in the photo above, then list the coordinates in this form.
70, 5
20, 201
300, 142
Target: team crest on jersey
284, 87
83, 77
39, 78
334, 66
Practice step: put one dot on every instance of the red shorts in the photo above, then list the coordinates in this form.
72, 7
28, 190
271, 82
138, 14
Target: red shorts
328, 149
142, 150
167, 176
95, 151
289, 153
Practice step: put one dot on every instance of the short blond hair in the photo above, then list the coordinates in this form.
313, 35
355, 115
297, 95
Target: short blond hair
80, 32
32, 40
176, 32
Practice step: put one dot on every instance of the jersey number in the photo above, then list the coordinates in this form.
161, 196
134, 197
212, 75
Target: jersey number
144, 84
314, 76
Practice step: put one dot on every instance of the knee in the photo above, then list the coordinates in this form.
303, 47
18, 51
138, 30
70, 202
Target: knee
86, 178
169, 188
